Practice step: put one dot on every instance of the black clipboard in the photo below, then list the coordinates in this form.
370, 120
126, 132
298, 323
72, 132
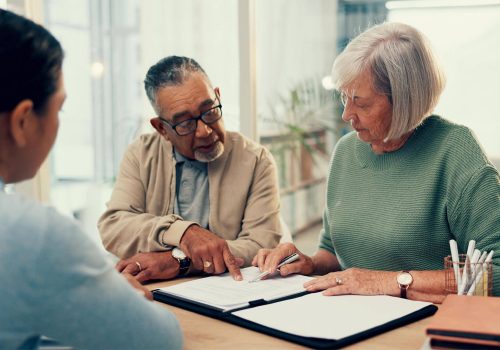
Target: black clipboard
317, 343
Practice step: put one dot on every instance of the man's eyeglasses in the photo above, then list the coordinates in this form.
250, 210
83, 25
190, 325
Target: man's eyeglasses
188, 126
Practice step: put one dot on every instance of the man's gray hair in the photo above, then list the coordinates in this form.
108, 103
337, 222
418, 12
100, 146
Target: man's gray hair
402, 65
169, 71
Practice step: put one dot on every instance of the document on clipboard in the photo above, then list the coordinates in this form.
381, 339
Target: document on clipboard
223, 293
280, 307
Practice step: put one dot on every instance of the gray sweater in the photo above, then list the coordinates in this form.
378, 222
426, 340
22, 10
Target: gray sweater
55, 281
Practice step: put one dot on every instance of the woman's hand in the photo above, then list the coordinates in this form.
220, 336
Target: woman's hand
268, 260
355, 281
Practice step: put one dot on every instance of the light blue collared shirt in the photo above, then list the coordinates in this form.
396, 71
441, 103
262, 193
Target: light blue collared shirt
52, 274
192, 201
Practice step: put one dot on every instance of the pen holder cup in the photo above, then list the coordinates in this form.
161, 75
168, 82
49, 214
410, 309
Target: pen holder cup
474, 279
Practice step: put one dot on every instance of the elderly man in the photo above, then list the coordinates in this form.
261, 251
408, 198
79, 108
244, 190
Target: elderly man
191, 197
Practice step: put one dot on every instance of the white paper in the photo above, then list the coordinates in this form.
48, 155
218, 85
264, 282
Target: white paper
330, 317
225, 293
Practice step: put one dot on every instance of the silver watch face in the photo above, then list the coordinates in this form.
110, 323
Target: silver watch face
178, 254
405, 279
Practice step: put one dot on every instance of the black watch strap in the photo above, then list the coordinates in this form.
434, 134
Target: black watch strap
184, 266
404, 279
183, 260
403, 292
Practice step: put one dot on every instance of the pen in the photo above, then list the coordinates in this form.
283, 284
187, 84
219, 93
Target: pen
477, 274
289, 259
467, 272
467, 279
480, 274
455, 259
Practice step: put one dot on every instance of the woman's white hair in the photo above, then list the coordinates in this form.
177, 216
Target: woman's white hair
402, 66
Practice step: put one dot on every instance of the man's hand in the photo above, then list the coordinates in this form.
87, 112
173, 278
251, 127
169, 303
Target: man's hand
150, 266
209, 253
139, 287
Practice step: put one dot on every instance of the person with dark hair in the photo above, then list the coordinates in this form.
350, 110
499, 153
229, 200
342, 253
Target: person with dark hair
54, 280
191, 197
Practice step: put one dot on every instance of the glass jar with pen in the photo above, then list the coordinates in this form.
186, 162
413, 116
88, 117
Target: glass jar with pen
468, 276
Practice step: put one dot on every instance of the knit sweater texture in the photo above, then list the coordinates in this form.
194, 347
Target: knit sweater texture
398, 210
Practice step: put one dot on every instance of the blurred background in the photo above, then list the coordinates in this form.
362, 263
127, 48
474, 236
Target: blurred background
271, 60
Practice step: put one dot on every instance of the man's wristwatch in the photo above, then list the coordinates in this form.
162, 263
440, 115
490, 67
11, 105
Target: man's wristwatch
183, 260
405, 279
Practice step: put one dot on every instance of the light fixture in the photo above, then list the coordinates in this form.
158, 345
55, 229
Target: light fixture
97, 70
327, 82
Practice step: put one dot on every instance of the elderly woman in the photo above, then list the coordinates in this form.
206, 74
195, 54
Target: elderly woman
402, 184
53, 279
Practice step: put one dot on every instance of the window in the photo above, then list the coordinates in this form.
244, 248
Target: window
109, 46
295, 49
465, 36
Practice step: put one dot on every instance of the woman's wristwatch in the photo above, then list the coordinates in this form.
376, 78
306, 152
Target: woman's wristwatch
184, 261
405, 279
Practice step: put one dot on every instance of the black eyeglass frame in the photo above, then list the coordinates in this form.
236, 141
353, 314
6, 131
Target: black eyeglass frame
200, 117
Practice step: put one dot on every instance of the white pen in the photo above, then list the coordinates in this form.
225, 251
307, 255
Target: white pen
455, 260
467, 278
489, 257
467, 273
477, 276
289, 259
471, 248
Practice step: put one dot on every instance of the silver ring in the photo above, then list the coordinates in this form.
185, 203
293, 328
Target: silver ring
339, 281
139, 266
207, 264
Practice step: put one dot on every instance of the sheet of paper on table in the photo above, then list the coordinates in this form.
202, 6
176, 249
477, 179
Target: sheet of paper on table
224, 293
330, 317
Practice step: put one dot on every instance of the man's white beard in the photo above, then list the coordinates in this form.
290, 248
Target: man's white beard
210, 156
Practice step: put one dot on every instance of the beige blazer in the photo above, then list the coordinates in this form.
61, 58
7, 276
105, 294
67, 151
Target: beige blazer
243, 189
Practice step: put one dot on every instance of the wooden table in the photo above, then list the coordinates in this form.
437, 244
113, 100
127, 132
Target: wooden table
202, 332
